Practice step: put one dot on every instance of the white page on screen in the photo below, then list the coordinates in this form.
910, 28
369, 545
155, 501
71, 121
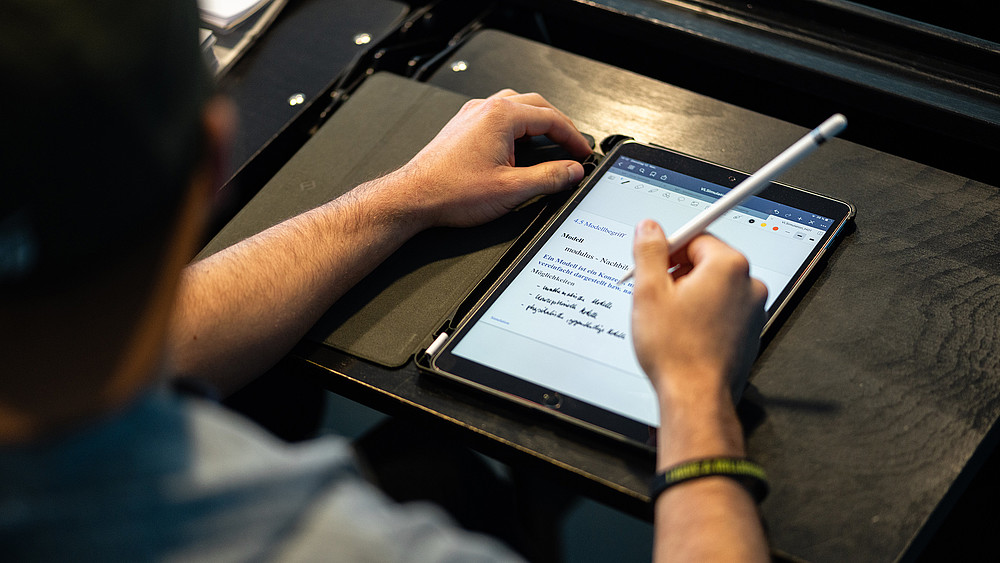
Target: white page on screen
563, 322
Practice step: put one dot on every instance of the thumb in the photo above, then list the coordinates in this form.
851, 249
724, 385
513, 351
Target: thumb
651, 252
550, 177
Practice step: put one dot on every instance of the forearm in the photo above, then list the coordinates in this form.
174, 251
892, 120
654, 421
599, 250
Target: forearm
240, 310
243, 308
711, 518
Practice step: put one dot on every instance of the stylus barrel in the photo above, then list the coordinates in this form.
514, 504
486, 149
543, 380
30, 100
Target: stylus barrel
754, 184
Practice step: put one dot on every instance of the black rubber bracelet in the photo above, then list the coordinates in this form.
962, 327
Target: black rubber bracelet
743, 471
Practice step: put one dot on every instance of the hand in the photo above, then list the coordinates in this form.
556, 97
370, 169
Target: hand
698, 333
465, 176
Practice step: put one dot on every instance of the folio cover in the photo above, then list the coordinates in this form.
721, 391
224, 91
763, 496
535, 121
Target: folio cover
396, 310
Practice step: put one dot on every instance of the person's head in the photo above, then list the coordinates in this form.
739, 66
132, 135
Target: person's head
107, 150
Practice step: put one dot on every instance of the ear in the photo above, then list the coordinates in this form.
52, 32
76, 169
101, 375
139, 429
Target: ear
219, 121
203, 197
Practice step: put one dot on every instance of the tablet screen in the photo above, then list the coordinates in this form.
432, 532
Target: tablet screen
561, 322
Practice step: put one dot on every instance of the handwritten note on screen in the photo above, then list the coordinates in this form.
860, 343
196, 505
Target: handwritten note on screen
564, 323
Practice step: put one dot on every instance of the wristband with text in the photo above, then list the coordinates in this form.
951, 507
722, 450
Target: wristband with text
743, 471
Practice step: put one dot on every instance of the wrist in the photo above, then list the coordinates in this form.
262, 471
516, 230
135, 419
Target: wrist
698, 422
388, 203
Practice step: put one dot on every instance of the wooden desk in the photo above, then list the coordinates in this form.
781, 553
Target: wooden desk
877, 396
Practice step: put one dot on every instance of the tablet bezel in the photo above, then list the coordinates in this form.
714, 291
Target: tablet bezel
443, 362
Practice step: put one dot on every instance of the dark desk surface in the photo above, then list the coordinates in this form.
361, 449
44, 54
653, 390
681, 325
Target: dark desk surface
307, 47
877, 392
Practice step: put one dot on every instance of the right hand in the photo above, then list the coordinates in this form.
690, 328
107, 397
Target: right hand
698, 334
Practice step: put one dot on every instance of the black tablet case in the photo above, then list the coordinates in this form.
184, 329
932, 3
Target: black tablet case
396, 310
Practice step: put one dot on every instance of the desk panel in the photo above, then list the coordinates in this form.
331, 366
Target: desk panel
303, 52
882, 385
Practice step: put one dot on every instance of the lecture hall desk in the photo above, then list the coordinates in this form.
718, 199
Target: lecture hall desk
873, 401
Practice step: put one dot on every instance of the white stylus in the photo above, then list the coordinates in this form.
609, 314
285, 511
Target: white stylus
754, 184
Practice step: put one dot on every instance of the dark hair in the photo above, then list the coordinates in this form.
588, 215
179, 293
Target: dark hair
100, 106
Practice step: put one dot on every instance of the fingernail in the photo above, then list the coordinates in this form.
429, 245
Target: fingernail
645, 227
575, 172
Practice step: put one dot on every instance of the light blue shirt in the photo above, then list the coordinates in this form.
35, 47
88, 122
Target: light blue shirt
173, 478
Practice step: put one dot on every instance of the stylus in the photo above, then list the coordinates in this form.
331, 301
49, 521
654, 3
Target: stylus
753, 184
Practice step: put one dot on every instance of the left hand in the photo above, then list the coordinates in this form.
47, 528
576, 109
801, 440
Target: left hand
465, 176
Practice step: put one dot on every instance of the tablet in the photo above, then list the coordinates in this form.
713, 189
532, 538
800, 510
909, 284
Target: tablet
554, 332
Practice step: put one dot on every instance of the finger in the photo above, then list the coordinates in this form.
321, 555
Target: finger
533, 99
707, 248
534, 120
714, 260
536, 100
529, 99
547, 177
759, 292
505, 93
679, 270
652, 255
